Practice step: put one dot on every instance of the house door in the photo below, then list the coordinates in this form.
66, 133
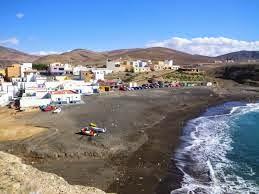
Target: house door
68, 100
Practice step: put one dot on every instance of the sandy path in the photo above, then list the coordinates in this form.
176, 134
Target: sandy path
13, 128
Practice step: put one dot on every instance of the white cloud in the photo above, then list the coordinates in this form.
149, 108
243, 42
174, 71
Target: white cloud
42, 53
19, 15
10, 41
209, 46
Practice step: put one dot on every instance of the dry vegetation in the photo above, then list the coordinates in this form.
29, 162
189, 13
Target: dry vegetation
166, 75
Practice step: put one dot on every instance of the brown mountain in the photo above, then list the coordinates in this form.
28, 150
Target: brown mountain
159, 53
240, 56
76, 57
8, 56
81, 56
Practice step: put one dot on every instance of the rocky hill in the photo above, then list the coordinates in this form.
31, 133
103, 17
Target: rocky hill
83, 57
77, 57
8, 56
16, 177
159, 53
240, 56
241, 73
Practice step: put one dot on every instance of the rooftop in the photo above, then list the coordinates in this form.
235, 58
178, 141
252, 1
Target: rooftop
60, 92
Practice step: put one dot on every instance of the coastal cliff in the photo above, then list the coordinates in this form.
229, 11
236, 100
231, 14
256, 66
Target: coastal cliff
16, 177
247, 74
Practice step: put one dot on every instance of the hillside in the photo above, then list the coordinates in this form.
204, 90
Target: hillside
81, 56
8, 56
241, 73
17, 177
240, 56
159, 53
77, 57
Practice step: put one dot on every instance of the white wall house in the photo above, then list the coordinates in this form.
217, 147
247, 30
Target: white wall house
57, 69
65, 97
169, 64
98, 74
33, 101
80, 87
77, 69
25, 67
30, 75
10, 89
140, 66
175, 67
68, 69
4, 99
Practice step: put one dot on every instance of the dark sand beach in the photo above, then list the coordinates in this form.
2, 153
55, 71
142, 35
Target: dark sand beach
136, 153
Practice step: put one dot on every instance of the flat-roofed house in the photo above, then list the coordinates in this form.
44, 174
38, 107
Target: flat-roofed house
116, 65
13, 71
140, 66
57, 69
65, 97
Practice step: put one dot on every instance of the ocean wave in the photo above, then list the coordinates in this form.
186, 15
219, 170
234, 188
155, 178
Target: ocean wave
203, 154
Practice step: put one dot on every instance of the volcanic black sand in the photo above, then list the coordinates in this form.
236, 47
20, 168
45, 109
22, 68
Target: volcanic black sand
134, 156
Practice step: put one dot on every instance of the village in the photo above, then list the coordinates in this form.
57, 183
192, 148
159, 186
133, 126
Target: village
28, 86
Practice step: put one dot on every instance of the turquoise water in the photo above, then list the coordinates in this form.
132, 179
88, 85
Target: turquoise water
219, 153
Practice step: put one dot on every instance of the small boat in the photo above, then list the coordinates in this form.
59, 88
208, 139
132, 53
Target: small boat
89, 132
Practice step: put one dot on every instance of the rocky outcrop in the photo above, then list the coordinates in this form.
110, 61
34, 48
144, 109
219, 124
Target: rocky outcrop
16, 177
243, 74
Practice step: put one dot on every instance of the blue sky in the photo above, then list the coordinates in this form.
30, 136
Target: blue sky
61, 25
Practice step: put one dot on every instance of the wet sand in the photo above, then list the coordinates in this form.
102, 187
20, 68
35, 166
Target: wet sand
133, 156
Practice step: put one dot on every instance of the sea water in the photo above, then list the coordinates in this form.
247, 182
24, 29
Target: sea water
219, 153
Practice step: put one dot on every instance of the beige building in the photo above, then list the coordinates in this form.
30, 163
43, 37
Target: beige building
87, 76
116, 65
161, 65
13, 71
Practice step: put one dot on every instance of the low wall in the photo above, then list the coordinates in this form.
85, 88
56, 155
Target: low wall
32, 102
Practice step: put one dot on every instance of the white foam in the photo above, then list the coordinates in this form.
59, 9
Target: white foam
203, 156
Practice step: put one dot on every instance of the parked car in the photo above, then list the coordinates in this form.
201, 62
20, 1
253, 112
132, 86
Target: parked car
47, 108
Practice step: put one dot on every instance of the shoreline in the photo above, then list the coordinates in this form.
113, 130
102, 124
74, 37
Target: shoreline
163, 176
136, 159
168, 177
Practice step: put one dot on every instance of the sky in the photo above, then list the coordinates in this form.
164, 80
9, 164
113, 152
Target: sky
206, 27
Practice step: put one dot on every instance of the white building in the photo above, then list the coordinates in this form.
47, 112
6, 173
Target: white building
30, 75
25, 67
99, 73
175, 67
140, 66
65, 97
33, 101
10, 89
4, 99
169, 64
57, 69
68, 69
80, 87
78, 69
